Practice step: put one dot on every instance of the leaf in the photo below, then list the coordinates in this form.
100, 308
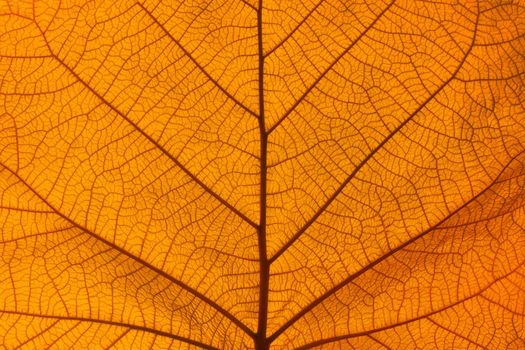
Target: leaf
241, 174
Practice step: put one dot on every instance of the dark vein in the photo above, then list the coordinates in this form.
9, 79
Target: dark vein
321, 210
314, 84
415, 319
52, 344
197, 64
38, 334
261, 342
113, 323
457, 334
249, 5
114, 342
154, 142
370, 336
144, 263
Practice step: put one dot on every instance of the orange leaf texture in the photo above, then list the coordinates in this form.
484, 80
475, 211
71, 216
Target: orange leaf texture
270, 174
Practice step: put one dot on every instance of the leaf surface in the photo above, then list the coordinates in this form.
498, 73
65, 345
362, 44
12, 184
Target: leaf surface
272, 174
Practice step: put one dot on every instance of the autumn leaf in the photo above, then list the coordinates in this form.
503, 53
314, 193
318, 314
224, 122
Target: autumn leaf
230, 174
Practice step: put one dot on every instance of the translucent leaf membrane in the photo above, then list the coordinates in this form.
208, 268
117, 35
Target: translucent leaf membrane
262, 174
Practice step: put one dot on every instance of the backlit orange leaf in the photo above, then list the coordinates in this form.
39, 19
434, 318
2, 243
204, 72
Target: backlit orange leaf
231, 174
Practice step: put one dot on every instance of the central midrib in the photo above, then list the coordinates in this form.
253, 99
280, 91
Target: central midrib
260, 340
